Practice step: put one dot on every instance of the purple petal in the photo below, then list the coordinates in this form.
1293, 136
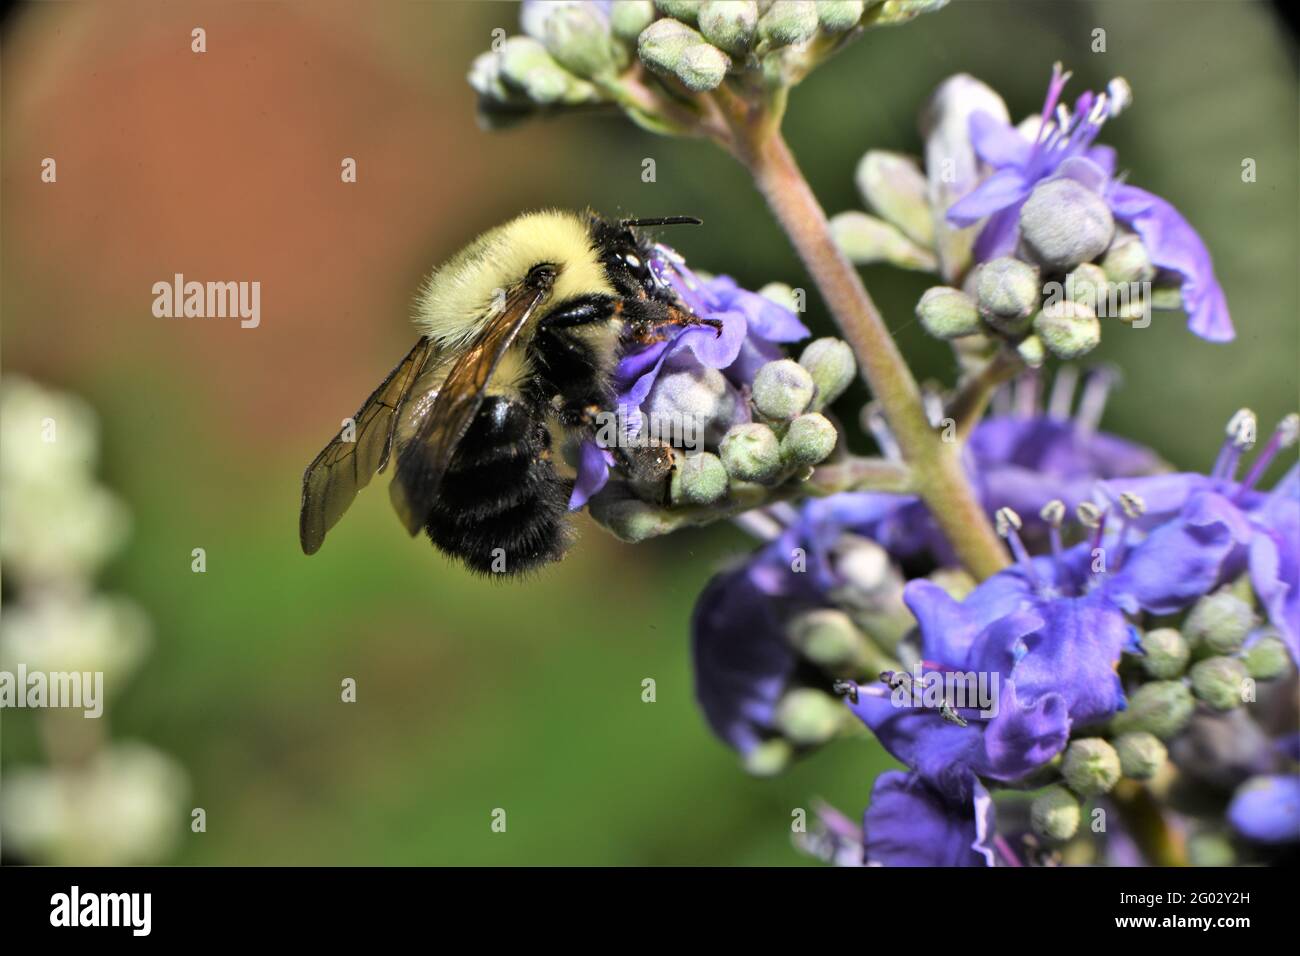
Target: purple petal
1173, 244
1267, 809
910, 824
742, 661
1006, 187
997, 143
594, 464
1019, 739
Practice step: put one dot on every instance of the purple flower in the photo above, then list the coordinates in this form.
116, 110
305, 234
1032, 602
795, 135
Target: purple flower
753, 328
1064, 147
1252, 531
1267, 809
909, 823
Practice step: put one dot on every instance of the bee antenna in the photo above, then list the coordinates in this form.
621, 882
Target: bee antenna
664, 221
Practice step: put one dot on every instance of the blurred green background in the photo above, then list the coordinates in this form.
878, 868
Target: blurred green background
473, 694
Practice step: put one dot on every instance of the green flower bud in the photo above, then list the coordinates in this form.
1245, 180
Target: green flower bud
627, 18
1218, 681
900, 11
751, 453
630, 519
1086, 285
729, 24
684, 10
782, 389
526, 64
836, 16
1054, 814
670, 46
1031, 351
1267, 657
1091, 766
1064, 223
781, 294
1127, 261
1165, 653
1220, 622
700, 479
1162, 708
894, 186
948, 313
485, 77
807, 717
1210, 849
1068, 329
809, 440
788, 22
831, 364
1009, 292
866, 239
1141, 754
578, 38
1166, 298
826, 637
769, 758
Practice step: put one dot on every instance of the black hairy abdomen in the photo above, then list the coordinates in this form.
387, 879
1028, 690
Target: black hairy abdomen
501, 507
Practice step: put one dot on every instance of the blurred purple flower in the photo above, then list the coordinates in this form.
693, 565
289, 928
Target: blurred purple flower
1063, 147
1267, 809
909, 823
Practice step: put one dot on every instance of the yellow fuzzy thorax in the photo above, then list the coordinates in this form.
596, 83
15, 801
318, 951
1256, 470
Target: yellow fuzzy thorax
457, 299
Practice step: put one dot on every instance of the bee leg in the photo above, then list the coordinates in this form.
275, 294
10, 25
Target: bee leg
649, 324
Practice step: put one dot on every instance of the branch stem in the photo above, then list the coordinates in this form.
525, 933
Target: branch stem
935, 465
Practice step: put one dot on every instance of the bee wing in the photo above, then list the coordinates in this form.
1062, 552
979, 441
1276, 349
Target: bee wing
423, 460
343, 468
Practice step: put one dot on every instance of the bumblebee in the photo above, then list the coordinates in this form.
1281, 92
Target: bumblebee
521, 329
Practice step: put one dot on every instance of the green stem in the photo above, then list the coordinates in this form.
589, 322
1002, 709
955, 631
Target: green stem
936, 465
1160, 844
967, 406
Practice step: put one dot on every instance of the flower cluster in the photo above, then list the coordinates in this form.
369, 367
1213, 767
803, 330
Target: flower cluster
59, 527
730, 415
654, 60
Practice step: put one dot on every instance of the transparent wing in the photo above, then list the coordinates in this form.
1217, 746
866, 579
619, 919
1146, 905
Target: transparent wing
343, 468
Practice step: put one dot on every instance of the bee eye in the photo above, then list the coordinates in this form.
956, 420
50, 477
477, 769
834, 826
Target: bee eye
632, 261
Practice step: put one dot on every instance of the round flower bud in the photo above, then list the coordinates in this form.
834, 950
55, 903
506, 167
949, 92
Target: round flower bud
1127, 261
627, 18
1141, 754
1064, 223
670, 46
1162, 708
826, 637
782, 295
700, 479
729, 24
806, 716
579, 40
782, 389
769, 758
1267, 657
948, 313
1031, 351
1091, 766
1218, 681
1054, 814
836, 16
751, 453
1009, 292
1220, 622
809, 440
831, 364
1068, 329
1165, 653
684, 10
629, 519
788, 22
1086, 285
692, 404
1210, 849
526, 64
